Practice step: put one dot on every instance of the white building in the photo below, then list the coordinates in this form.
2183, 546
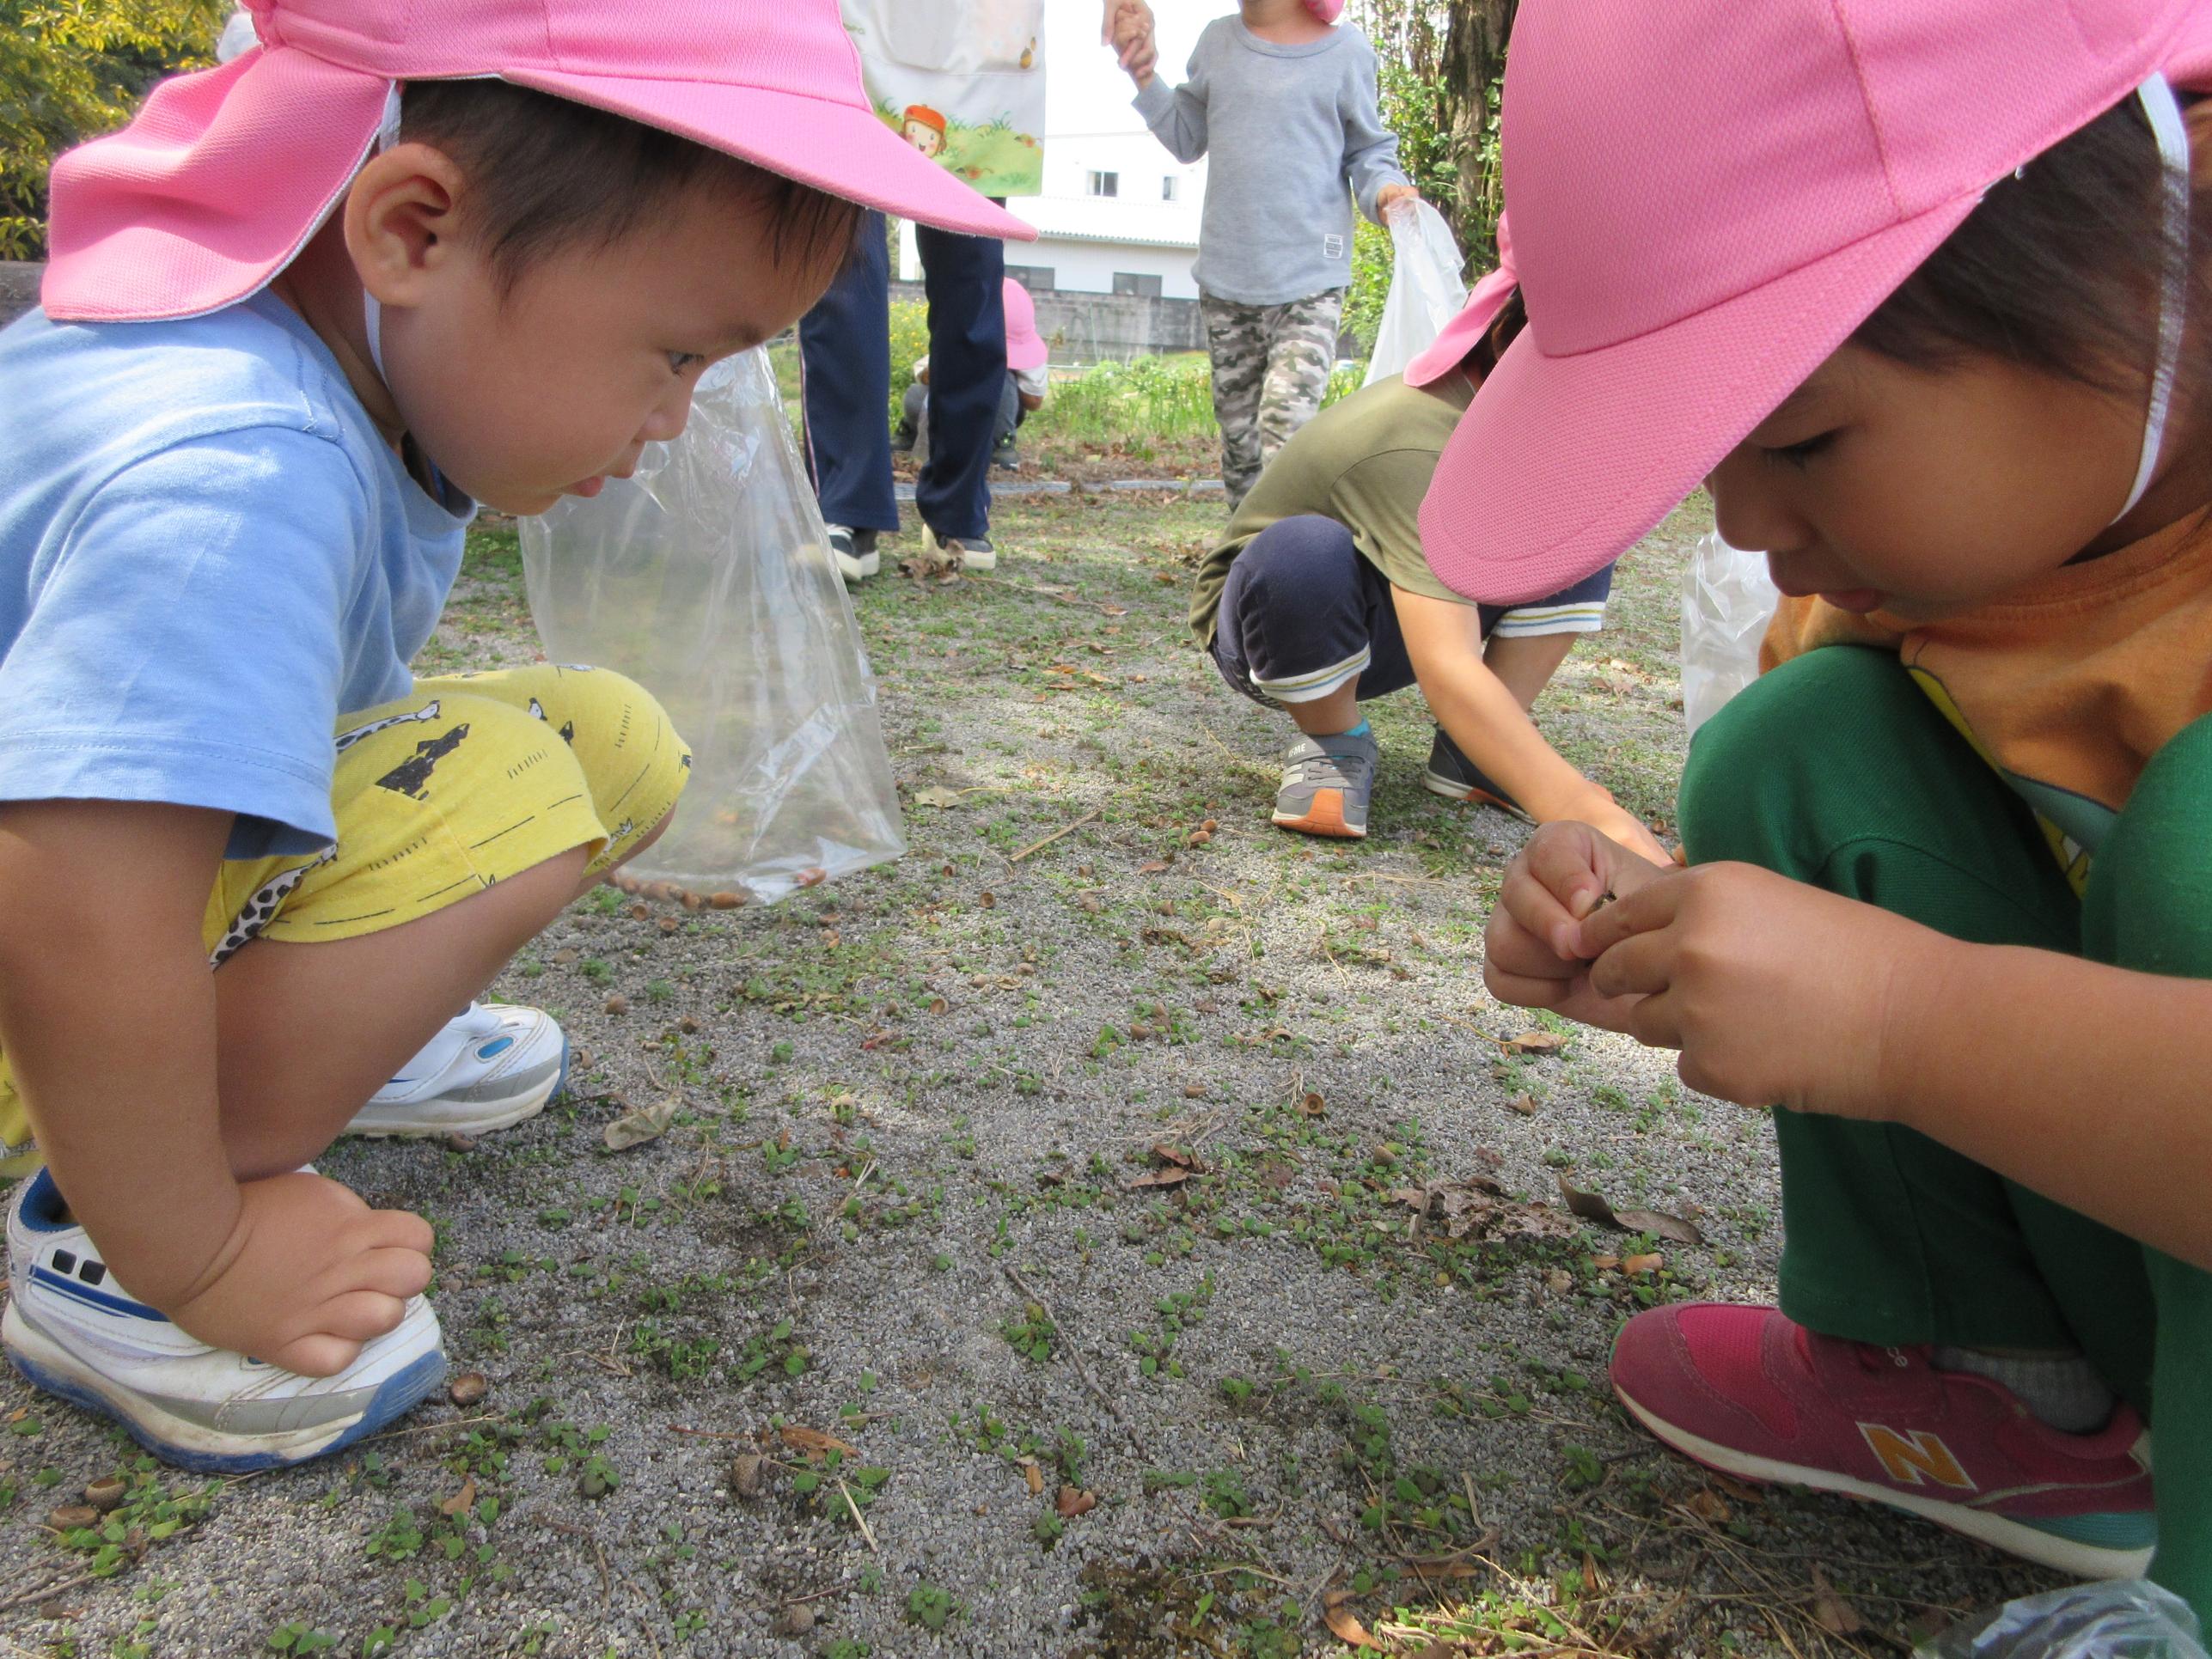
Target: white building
1119, 215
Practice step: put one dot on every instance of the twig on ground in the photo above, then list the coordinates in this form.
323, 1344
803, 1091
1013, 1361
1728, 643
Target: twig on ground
1075, 1357
1039, 846
858, 1519
41, 1592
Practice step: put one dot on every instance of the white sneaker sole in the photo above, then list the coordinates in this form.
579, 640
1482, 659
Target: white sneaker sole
858, 568
55, 1370
418, 1120
2067, 1555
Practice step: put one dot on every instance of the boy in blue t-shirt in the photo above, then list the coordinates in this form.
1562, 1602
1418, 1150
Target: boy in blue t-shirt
303, 316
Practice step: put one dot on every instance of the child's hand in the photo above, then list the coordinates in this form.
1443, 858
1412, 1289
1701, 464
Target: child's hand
1389, 196
1776, 993
1533, 952
1129, 29
1621, 825
309, 1274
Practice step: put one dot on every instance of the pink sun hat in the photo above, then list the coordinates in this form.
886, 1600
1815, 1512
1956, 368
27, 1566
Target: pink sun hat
225, 173
1708, 199
1464, 331
1025, 347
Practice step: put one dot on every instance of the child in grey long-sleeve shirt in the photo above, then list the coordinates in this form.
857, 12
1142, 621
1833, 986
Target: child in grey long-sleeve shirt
1286, 106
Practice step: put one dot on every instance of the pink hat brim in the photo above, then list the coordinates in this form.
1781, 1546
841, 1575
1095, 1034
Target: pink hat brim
1561, 464
1464, 331
219, 182
844, 151
1026, 351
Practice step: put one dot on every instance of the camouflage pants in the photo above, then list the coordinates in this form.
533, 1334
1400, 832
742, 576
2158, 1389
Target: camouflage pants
1271, 366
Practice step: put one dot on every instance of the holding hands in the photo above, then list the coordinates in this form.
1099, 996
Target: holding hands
1776, 992
1127, 27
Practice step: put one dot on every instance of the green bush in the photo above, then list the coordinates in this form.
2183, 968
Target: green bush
909, 341
71, 69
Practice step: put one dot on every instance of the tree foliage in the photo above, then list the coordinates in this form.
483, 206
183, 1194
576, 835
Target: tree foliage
70, 70
1442, 63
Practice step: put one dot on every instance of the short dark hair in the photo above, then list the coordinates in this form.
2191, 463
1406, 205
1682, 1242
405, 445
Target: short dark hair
2058, 269
547, 174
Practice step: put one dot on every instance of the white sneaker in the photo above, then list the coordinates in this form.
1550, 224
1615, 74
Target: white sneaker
493, 1066
974, 553
74, 1332
856, 561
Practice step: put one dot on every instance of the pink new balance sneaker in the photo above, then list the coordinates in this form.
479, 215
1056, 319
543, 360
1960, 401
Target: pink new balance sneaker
1747, 1392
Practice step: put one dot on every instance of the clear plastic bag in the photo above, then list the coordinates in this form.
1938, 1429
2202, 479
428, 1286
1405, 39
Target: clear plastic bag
708, 578
1728, 600
1426, 292
2122, 1618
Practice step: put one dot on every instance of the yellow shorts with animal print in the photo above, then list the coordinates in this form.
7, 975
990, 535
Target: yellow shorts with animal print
473, 779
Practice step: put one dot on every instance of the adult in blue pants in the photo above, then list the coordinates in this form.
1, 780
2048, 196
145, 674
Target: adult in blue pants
846, 351
948, 65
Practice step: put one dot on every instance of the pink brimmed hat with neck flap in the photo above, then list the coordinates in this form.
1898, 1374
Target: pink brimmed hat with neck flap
225, 173
1708, 198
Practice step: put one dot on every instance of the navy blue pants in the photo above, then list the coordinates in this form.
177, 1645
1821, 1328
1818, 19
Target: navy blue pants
1302, 612
845, 351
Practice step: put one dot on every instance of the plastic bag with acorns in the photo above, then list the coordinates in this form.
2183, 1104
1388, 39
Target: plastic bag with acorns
708, 578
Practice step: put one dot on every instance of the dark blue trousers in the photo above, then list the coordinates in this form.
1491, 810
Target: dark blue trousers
845, 356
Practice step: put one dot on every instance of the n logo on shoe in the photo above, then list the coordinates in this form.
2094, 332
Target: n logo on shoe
1916, 1459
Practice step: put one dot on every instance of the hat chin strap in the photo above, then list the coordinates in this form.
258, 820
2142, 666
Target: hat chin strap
372, 311
2164, 113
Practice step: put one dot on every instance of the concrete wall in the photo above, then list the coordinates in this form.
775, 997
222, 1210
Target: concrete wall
1088, 328
19, 289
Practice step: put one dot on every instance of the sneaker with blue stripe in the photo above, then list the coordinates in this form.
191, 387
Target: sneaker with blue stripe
74, 1332
491, 1067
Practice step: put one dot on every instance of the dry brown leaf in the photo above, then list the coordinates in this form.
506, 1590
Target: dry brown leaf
1534, 1042
1523, 1104
1171, 1176
1072, 1502
1829, 1610
1194, 1091
1033, 1475
1179, 1156
465, 1499
641, 1124
1152, 867
812, 1442
936, 796
745, 1474
938, 1005
1710, 1507
1341, 1625
1636, 1266
1592, 1206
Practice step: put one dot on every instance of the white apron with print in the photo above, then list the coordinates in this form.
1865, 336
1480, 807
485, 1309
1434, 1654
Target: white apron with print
963, 80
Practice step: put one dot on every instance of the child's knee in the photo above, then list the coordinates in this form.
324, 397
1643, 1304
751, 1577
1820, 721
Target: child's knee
1754, 759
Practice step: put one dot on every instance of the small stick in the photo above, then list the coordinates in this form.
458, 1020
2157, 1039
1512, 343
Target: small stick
42, 1591
1039, 846
1075, 1357
858, 1519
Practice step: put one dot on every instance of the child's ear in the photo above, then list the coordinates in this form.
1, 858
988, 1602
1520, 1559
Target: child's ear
402, 221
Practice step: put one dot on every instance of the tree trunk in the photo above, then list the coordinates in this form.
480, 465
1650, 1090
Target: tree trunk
1472, 67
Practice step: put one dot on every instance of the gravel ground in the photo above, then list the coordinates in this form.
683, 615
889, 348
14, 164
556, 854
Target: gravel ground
1193, 1180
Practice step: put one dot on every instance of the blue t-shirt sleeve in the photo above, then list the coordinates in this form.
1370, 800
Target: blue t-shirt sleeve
184, 644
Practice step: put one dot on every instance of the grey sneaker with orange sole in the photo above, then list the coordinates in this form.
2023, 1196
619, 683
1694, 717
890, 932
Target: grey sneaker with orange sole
1327, 784
1451, 774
